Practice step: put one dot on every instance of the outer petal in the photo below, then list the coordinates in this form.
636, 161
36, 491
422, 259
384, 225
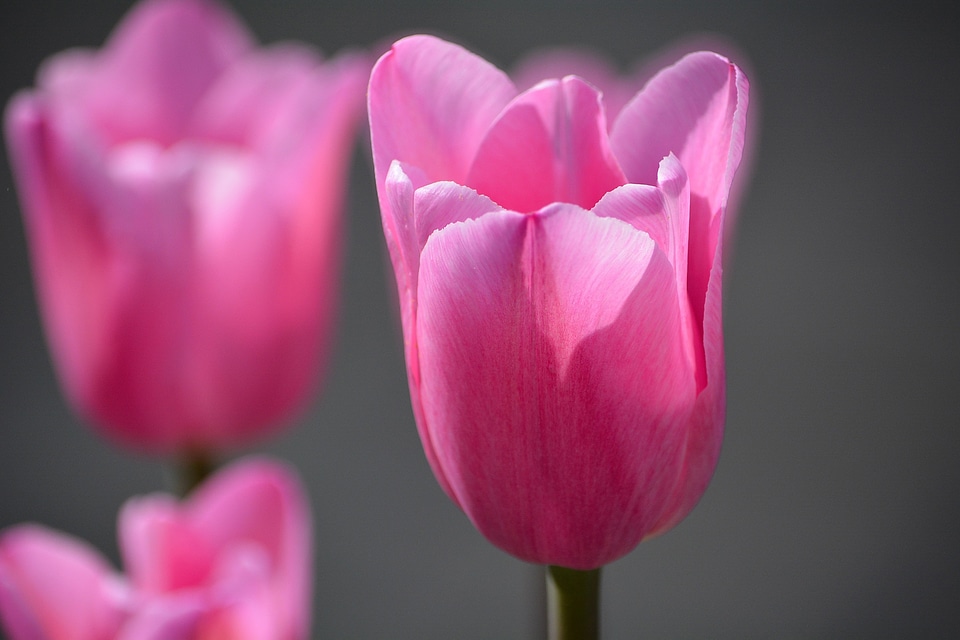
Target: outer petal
72, 253
430, 103
416, 216
53, 587
548, 145
155, 68
696, 110
557, 451
705, 429
254, 503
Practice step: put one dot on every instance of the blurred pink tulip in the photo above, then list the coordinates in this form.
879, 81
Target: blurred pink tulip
182, 193
560, 290
233, 561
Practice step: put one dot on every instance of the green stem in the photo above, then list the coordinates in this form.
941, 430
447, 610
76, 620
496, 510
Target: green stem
194, 467
573, 604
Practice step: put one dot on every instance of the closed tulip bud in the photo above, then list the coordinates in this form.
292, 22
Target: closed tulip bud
560, 290
182, 193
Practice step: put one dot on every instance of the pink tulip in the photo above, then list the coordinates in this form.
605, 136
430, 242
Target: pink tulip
233, 561
182, 192
560, 290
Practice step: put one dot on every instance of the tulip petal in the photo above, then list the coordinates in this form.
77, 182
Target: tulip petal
407, 224
171, 618
430, 103
664, 213
558, 453
549, 145
55, 587
695, 109
595, 69
155, 69
268, 230
705, 429
246, 103
70, 249
251, 503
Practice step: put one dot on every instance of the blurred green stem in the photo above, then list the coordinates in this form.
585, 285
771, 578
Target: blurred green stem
194, 467
573, 604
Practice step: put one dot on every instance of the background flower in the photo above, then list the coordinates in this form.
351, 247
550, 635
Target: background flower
233, 561
182, 193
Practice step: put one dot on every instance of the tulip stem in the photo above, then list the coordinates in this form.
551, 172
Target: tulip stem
194, 468
573, 604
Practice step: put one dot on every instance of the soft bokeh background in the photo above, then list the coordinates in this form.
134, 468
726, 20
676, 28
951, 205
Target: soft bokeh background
834, 510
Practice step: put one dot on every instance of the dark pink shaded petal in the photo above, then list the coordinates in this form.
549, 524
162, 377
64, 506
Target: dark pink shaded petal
705, 429
154, 69
549, 145
430, 103
53, 587
558, 453
664, 213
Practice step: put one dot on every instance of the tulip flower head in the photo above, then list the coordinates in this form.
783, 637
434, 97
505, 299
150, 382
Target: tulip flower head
181, 190
233, 561
560, 290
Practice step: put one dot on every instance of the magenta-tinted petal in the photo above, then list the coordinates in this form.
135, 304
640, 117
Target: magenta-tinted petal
430, 103
558, 453
53, 587
549, 145
157, 66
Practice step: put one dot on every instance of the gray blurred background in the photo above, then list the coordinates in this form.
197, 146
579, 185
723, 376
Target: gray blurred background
834, 510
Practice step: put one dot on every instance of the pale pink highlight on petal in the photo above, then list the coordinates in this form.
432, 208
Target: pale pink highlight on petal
430, 104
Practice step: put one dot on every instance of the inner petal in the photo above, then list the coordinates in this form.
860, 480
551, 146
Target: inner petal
548, 145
